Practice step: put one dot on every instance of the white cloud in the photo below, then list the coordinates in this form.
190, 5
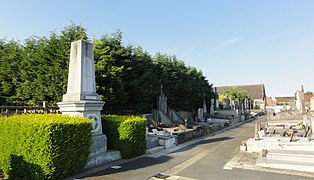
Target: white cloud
227, 42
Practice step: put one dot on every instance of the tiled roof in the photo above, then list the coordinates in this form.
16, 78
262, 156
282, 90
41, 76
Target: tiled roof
284, 99
307, 97
270, 102
256, 91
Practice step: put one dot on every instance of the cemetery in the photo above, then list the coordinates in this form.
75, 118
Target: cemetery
168, 128
162, 129
156, 90
285, 139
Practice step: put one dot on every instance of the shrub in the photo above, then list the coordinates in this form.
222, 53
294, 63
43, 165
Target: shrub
126, 134
43, 146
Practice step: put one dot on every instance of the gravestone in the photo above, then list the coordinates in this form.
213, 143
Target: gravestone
300, 100
204, 106
312, 129
226, 103
216, 107
200, 114
82, 100
312, 104
232, 104
212, 109
162, 102
216, 100
256, 134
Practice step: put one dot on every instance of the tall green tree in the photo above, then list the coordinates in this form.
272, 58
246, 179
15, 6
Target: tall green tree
10, 59
141, 81
110, 54
186, 87
44, 67
126, 76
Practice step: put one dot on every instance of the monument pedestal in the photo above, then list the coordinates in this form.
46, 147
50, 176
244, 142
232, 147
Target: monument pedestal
91, 110
99, 154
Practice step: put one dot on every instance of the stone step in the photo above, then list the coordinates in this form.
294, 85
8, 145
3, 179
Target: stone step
268, 143
155, 149
289, 165
291, 155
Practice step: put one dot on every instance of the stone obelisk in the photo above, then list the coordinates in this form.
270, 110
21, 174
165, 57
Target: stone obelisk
81, 99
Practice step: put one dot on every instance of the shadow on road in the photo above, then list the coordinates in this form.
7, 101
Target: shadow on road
150, 161
206, 141
132, 165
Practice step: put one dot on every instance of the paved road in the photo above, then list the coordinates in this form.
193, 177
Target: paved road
203, 160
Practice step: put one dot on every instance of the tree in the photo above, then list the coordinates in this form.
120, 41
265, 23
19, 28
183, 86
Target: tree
141, 79
44, 67
184, 86
109, 67
126, 76
10, 59
236, 95
308, 93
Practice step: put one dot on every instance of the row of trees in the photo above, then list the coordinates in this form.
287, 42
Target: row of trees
126, 76
235, 96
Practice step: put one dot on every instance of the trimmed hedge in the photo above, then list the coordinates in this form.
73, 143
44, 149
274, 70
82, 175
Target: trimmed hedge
126, 134
43, 146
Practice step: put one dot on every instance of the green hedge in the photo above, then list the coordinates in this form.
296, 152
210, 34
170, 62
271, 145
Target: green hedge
43, 146
126, 134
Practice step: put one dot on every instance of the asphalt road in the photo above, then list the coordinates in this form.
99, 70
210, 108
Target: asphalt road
202, 160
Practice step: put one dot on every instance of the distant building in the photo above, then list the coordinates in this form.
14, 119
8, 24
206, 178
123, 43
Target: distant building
279, 104
270, 102
307, 98
256, 92
284, 100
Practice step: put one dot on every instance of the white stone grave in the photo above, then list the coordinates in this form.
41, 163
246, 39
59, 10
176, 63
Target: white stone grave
200, 114
312, 103
81, 99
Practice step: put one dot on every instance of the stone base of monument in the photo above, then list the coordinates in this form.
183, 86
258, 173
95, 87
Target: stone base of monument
152, 141
99, 144
102, 158
99, 154
167, 141
91, 110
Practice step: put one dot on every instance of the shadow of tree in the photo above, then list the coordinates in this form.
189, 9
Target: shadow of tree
147, 161
207, 141
21, 169
133, 165
1, 174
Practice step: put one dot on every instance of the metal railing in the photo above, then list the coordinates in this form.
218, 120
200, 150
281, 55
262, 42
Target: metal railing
13, 110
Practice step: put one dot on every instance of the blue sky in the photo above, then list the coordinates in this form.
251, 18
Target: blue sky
231, 42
